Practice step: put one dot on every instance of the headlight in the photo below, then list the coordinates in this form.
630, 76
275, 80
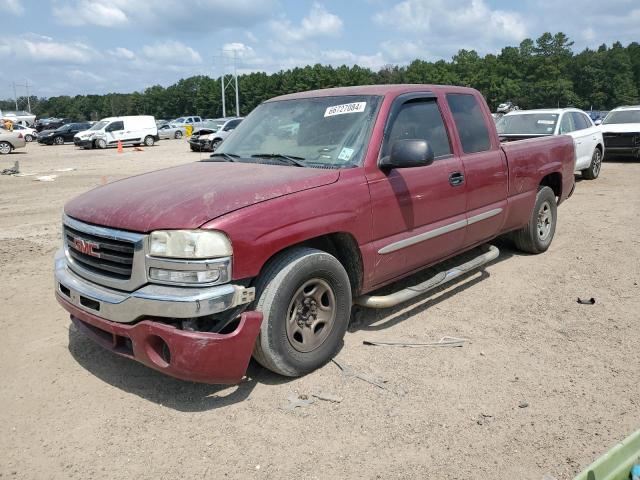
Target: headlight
189, 244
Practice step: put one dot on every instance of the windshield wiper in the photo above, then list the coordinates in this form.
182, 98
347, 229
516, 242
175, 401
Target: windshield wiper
292, 160
228, 157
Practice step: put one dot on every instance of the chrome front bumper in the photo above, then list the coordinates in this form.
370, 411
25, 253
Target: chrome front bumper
148, 301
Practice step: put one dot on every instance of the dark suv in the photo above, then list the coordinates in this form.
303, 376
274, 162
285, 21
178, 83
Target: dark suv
63, 134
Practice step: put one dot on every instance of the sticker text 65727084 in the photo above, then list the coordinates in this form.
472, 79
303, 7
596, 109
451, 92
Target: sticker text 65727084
356, 107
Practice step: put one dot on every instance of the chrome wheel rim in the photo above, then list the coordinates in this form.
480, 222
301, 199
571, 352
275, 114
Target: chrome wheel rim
28, 138
596, 162
545, 220
58, 140
5, 148
178, 134
311, 315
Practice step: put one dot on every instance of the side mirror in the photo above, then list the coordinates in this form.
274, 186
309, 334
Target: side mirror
598, 121
408, 153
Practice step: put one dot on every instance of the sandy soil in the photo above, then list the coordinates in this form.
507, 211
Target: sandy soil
69, 409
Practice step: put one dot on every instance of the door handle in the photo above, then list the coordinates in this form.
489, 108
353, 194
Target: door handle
456, 179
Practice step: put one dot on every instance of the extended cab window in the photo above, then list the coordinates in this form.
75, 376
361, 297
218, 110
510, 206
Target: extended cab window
470, 122
420, 120
115, 127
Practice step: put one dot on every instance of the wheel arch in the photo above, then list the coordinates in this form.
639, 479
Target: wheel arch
553, 180
343, 246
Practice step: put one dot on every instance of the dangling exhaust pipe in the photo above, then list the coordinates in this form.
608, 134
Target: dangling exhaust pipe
387, 301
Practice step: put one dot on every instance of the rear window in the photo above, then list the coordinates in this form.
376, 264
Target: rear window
470, 122
527, 124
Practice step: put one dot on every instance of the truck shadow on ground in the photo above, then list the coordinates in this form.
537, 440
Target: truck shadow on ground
137, 379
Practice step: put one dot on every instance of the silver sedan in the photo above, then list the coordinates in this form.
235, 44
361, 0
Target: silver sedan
9, 141
169, 130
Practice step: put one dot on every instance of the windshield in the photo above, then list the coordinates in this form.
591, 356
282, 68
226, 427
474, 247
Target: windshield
100, 125
527, 124
623, 116
179, 120
321, 131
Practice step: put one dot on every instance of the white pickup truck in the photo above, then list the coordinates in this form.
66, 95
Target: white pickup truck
587, 137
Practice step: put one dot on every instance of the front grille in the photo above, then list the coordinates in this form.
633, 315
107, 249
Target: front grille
99, 255
627, 140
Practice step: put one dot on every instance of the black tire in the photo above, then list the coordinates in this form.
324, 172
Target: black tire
215, 144
178, 134
535, 237
5, 148
276, 290
149, 141
28, 138
58, 141
593, 171
100, 143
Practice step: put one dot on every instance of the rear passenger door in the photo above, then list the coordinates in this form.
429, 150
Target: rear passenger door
418, 213
485, 168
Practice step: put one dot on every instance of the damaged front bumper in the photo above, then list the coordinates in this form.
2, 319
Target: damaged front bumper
122, 322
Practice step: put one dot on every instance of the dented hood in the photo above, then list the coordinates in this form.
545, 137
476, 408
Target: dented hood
191, 195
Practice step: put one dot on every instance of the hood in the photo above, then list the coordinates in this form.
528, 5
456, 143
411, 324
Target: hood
46, 132
190, 195
620, 128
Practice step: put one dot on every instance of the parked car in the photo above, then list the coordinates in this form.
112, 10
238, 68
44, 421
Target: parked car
208, 139
10, 140
194, 121
621, 132
30, 134
587, 138
263, 248
131, 130
19, 117
52, 123
169, 130
62, 134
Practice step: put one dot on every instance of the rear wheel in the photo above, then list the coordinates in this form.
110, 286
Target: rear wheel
58, 140
593, 171
536, 236
178, 134
304, 295
5, 148
149, 141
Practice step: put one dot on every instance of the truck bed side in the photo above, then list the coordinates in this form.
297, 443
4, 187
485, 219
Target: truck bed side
537, 161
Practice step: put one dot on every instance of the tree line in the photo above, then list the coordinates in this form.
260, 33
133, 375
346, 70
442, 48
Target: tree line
535, 74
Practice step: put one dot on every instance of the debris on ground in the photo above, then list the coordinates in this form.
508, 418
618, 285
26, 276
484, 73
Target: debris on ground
327, 397
45, 178
67, 169
523, 405
296, 401
589, 301
347, 371
482, 418
443, 342
13, 170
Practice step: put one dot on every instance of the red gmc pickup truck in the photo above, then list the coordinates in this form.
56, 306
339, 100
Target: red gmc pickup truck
316, 200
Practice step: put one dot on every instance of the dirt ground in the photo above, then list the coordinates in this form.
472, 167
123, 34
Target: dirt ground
543, 385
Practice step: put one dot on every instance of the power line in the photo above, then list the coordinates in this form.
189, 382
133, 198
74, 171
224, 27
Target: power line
229, 80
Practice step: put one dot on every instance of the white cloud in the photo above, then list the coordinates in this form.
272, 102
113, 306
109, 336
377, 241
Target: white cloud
318, 23
13, 7
90, 12
48, 51
123, 53
446, 25
82, 75
346, 57
172, 52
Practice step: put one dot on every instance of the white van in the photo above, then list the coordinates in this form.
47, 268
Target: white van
132, 130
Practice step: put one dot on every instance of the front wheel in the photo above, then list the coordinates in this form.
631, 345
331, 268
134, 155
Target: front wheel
536, 236
215, 144
593, 171
58, 140
178, 134
149, 141
101, 143
28, 138
5, 148
305, 298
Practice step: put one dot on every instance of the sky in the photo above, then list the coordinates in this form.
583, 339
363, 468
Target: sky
69, 47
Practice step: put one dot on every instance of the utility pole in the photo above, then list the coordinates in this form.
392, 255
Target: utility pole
224, 111
229, 80
26, 86
235, 74
15, 95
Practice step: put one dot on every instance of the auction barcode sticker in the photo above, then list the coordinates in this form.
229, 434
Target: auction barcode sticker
356, 107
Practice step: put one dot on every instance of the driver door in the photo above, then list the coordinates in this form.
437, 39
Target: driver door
418, 213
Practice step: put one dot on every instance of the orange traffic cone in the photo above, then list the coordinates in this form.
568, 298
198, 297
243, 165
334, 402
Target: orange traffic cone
120, 147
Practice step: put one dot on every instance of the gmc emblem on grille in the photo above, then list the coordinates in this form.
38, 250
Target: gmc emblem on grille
86, 247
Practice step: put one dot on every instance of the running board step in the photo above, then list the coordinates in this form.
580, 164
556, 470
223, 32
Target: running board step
387, 301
